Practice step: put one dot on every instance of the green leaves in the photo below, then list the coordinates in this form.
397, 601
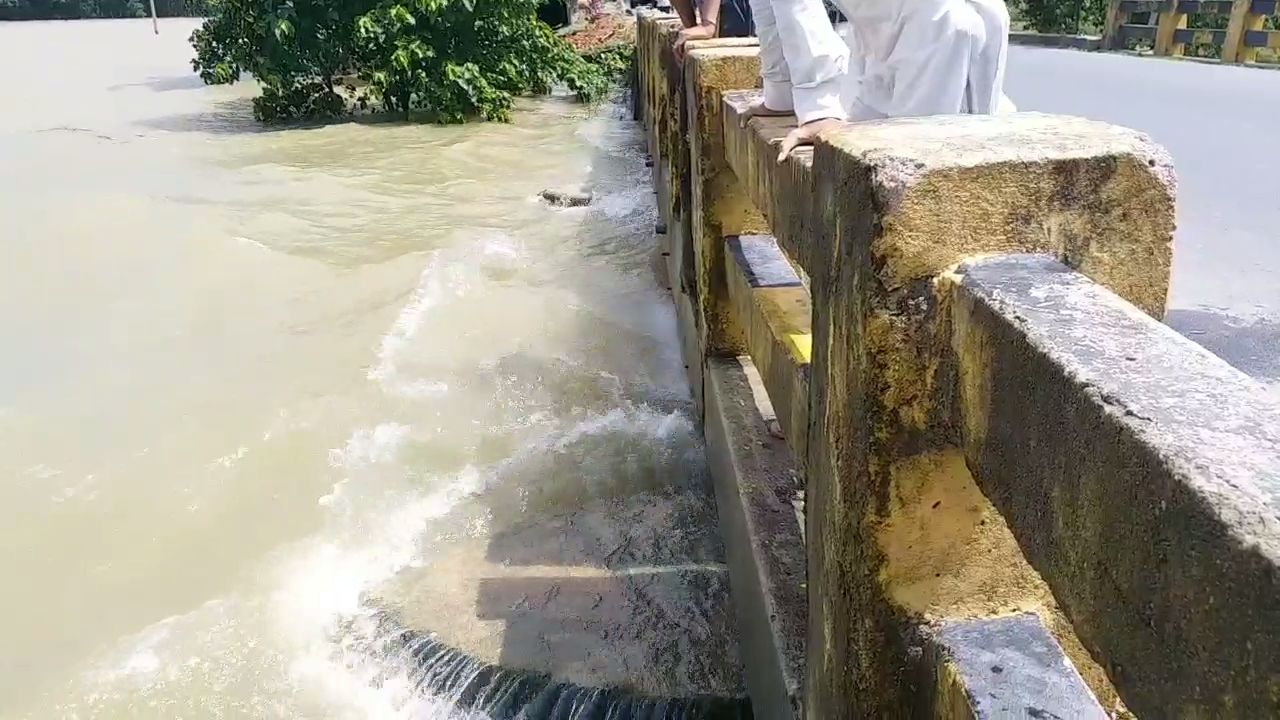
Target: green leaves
437, 60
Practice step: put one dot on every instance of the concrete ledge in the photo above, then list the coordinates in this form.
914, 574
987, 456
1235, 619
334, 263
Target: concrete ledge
1141, 476
755, 485
1052, 40
773, 307
1004, 667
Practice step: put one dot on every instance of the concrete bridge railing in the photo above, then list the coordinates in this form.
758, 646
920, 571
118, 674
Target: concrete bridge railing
962, 469
1165, 27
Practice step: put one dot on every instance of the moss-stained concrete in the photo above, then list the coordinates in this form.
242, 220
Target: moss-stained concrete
875, 219
720, 207
950, 555
756, 485
664, 118
784, 193
895, 205
1097, 196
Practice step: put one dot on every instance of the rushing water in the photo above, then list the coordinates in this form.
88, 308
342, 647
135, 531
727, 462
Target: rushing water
276, 407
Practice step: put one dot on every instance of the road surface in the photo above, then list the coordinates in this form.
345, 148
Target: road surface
1222, 125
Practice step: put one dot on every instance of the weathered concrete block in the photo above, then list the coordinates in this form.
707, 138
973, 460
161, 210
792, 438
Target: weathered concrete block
719, 206
1097, 196
772, 306
1141, 475
896, 204
755, 486
1005, 667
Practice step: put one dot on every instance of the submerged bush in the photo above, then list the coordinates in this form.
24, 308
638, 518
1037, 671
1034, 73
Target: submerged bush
614, 60
439, 60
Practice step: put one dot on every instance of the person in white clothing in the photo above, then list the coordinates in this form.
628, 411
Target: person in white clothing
903, 58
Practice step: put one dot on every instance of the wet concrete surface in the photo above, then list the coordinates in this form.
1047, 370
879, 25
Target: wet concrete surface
1219, 124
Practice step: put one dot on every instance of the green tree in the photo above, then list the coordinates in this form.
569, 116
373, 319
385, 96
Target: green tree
438, 60
1061, 16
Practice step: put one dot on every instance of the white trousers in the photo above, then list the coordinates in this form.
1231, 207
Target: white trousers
900, 58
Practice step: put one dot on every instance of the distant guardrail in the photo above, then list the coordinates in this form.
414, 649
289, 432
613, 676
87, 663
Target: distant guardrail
1166, 27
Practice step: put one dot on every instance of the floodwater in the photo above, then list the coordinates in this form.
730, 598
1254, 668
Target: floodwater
333, 422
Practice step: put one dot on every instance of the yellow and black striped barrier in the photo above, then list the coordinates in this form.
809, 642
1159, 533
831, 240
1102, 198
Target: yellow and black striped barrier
1163, 24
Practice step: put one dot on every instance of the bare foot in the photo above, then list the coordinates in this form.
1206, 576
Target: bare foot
805, 135
759, 109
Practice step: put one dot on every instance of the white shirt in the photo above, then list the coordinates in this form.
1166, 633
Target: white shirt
899, 58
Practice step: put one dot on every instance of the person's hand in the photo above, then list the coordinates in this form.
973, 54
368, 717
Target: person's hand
805, 135
757, 108
697, 32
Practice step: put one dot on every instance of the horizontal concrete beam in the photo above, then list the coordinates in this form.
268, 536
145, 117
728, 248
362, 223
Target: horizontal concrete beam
1141, 476
1262, 39
1004, 667
1138, 32
756, 489
773, 308
1197, 36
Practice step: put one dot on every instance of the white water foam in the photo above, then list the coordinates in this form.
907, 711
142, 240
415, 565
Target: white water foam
443, 277
643, 421
431, 291
320, 595
298, 629
368, 446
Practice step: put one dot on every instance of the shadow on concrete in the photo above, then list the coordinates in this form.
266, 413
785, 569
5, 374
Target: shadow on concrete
1251, 345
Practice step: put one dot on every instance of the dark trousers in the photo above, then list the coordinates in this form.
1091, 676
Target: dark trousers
735, 19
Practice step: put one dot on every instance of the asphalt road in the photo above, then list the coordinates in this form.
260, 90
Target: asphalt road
1222, 125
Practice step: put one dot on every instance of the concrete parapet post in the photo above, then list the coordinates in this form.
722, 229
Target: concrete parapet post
720, 207
1117, 16
900, 202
